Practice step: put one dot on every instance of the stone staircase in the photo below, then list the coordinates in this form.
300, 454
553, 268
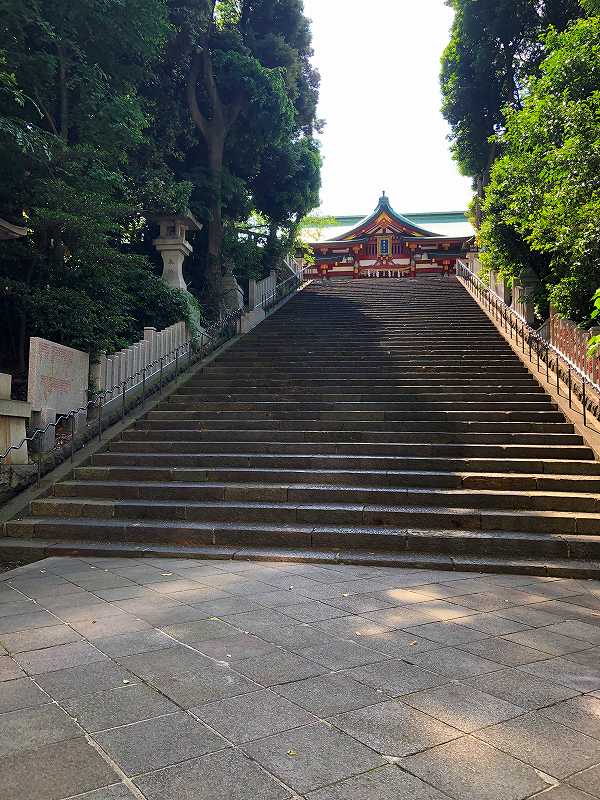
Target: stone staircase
365, 417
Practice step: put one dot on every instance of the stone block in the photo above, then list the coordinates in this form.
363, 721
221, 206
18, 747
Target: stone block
58, 376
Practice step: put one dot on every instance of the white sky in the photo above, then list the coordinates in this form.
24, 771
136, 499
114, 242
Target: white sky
379, 63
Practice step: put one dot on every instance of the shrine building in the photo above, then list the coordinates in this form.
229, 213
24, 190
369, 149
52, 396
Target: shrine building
386, 244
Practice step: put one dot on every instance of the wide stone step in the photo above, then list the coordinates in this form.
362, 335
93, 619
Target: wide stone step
383, 478
455, 542
180, 422
420, 415
326, 514
369, 398
358, 448
431, 437
327, 462
319, 493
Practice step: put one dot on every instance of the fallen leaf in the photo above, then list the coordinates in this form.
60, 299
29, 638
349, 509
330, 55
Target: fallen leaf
292, 753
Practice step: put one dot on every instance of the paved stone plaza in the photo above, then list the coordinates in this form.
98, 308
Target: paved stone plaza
175, 679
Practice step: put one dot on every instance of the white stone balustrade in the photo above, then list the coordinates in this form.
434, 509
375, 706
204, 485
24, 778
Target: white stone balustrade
110, 372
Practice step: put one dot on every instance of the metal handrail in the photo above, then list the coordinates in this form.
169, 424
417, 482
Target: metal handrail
149, 377
545, 353
294, 280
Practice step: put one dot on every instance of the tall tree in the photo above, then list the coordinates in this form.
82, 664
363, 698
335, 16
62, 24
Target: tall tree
73, 278
495, 46
542, 209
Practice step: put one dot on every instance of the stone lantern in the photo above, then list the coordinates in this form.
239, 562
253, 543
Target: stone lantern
174, 247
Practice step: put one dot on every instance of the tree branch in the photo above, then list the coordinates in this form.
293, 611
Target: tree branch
46, 114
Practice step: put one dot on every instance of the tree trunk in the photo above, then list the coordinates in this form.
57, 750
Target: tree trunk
214, 270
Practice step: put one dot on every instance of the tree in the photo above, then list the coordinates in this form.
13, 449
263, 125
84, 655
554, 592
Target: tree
245, 72
542, 208
495, 46
75, 277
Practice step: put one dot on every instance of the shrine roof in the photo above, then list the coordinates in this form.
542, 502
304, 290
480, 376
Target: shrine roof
348, 228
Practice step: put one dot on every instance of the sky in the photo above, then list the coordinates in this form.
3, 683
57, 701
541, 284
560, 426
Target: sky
380, 98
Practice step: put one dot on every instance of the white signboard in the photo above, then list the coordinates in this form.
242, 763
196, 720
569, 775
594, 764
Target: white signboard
58, 376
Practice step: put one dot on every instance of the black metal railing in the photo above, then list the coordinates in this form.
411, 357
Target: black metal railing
104, 408
547, 358
284, 289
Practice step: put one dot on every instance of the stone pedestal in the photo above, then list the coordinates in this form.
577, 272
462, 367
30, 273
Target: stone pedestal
233, 294
44, 442
13, 417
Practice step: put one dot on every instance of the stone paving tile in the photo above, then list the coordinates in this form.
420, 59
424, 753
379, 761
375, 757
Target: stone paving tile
384, 783
347, 627
568, 673
547, 641
167, 662
62, 656
109, 626
339, 654
28, 728
329, 694
470, 770
532, 616
545, 744
33, 619
311, 611
118, 792
498, 599
563, 792
253, 716
588, 781
214, 681
37, 638
419, 614
294, 637
448, 633
235, 648
227, 774
492, 623
455, 663
462, 706
505, 652
20, 693
521, 689
226, 606
201, 630
128, 644
59, 770
360, 603
577, 630
396, 677
589, 657
580, 713
312, 757
278, 667
155, 743
121, 706
9, 669
67, 683
398, 643
394, 729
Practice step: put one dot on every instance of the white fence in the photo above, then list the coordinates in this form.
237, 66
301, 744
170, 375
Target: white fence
126, 366
261, 291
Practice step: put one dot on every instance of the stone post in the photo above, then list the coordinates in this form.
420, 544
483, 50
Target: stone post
13, 416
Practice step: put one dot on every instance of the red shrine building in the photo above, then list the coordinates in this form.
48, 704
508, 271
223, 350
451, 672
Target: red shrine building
387, 245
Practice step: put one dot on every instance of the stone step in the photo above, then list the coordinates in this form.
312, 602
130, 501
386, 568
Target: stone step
217, 423
316, 492
454, 542
355, 398
432, 437
449, 480
339, 513
419, 415
533, 451
319, 462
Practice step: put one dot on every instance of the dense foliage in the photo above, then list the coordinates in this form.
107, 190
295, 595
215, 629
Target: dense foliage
521, 86
99, 109
542, 208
